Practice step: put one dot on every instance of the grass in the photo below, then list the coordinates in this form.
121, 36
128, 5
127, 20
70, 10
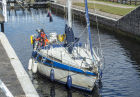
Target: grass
110, 2
107, 9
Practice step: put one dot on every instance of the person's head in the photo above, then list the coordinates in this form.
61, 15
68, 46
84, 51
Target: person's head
38, 30
41, 30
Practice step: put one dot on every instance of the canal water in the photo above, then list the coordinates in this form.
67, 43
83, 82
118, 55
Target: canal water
121, 75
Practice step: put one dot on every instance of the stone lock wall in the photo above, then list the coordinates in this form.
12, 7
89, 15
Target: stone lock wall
129, 25
131, 22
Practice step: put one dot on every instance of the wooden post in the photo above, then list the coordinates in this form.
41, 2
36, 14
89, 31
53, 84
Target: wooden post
135, 2
126, 2
9, 12
2, 27
121, 1
130, 2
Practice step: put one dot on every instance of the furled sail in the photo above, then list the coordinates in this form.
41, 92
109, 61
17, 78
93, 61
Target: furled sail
69, 38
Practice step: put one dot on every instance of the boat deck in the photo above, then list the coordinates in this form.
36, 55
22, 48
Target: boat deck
80, 58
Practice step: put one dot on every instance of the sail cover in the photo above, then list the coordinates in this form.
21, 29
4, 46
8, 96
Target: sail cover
69, 38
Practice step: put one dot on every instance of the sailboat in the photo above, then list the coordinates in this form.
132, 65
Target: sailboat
69, 62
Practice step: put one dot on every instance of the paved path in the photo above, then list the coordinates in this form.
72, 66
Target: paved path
109, 4
98, 2
8, 76
103, 3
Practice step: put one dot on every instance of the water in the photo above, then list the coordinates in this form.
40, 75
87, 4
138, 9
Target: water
121, 76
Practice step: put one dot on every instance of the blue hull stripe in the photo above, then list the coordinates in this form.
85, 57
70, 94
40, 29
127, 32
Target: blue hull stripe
52, 63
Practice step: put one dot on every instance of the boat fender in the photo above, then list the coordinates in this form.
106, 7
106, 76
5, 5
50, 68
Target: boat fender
30, 64
101, 73
69, 82
61, 37
52, 75
34, 69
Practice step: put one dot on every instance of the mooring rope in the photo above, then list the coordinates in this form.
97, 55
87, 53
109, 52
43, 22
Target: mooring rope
99, 40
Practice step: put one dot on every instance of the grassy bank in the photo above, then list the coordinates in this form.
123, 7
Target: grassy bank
110, 2
107, 9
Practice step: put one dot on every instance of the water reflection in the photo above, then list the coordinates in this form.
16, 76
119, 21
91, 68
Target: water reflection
133, 50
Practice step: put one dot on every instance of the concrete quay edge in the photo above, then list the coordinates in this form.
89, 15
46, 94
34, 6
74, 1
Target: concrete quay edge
22, 76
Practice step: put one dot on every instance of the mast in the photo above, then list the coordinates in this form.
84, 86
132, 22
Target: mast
88, 27
69, 13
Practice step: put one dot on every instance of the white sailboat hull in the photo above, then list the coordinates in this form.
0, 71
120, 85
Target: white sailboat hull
81, 81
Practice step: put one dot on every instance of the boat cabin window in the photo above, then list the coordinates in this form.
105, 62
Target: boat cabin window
48, 61
34, 54
39, 58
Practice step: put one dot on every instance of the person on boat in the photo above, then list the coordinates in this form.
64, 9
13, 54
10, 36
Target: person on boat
42, 38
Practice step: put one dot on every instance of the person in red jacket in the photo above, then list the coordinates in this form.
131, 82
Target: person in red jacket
42, 38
